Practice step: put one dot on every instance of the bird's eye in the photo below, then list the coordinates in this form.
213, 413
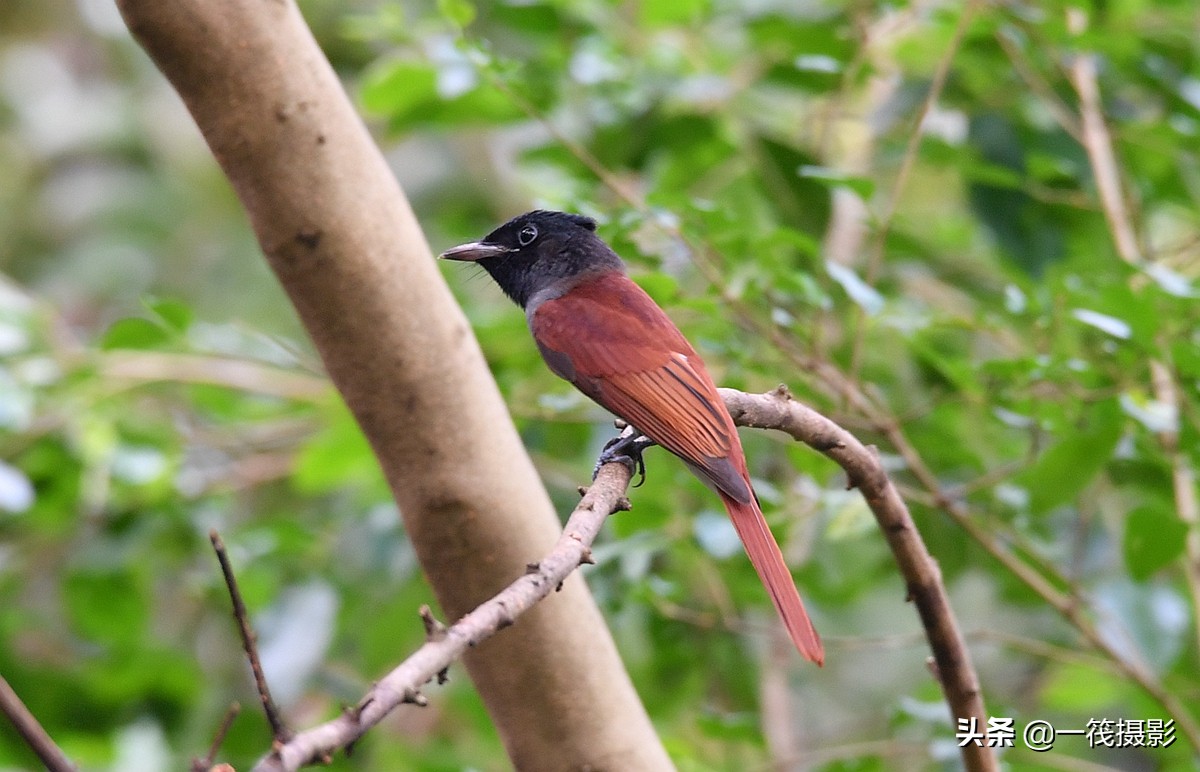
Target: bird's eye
527, 235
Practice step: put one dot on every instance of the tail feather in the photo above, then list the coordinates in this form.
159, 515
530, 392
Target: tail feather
768, 561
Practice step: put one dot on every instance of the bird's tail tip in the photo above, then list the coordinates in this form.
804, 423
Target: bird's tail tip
806, 639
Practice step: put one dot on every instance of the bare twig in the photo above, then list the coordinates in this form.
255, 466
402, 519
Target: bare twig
1043, 579
1098, 144
936, 84
775, 410
443, 646
1018, 56
1183, 481
887, 217
923, 578
31, 731
279, 730
205, 764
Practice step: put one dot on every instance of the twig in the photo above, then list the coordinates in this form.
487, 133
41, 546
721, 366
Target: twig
204, 764
445, 645
955, 672
936, 84
1183, 481
774, 410
1017, 56
31, 731
826, 378
279, 730
1048, 651
887, 217
1098, 144
1043, 579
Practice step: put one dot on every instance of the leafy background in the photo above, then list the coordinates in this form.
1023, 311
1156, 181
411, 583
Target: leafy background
887, 206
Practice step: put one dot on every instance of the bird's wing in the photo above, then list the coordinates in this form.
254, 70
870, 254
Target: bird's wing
617, 346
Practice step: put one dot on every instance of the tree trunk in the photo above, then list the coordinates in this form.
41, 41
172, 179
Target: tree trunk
344, 243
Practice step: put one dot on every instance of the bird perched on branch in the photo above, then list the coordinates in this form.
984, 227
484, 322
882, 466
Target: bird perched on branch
599, 330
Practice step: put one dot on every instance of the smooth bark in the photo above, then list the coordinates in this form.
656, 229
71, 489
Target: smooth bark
344, 243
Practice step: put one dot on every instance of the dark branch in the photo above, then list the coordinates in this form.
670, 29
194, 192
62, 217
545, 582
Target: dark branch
952, 661
249, 642
204, 764
31, 731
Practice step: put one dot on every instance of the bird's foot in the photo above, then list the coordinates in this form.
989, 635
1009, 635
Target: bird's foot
626, 448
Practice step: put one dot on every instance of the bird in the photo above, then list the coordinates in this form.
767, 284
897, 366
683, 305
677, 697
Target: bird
596, 328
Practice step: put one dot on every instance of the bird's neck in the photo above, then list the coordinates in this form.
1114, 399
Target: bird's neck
547, 288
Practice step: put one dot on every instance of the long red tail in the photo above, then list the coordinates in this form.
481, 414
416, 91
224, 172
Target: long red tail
773, 571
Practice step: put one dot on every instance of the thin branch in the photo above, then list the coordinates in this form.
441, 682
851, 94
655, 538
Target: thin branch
1183, 481
936, 84
444, 646
31, 731
576, 149
955, 672
1098, 144
826, 378
775, 410
1069, 604
888, 216
279, 730
1044, 580
1047, 651
205, 764
1018, 57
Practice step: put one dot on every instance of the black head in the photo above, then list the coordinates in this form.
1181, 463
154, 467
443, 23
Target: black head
539, 250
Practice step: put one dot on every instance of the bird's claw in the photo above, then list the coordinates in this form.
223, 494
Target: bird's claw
626, 448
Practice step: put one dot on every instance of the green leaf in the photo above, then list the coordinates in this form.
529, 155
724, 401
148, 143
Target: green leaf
134, 332
106, 607
799, 187
663, 289
459, 12
1073, 462
174, 313
730, 726
398, 87
859, 291
1154, 537
833, 178
661, 13
1078, 687
337, 456
1118, 328
407, 94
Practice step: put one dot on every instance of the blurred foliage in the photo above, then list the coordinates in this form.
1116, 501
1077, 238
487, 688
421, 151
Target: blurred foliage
939, 276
